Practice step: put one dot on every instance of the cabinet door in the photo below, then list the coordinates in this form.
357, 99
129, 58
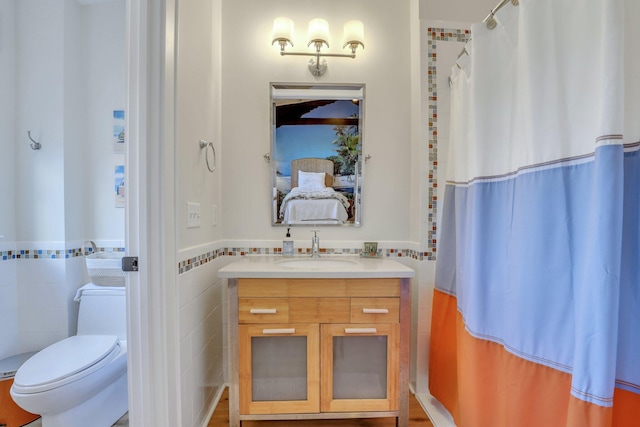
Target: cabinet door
279, 368
360, 365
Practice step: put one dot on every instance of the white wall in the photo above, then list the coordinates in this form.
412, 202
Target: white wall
200, 292
39, 108
71, 62
7, 118
8, 288
57, 54
104, 53
456, 10
72, 77
250, 63
197, 117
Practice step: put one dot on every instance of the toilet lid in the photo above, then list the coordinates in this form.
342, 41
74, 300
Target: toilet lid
63, 360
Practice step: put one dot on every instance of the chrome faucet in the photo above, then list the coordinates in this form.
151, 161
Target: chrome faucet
315, 245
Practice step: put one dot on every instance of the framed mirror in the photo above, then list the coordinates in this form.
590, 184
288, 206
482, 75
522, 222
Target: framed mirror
316, 154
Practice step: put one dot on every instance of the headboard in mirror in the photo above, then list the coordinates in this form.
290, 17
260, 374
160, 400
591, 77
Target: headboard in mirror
316, 154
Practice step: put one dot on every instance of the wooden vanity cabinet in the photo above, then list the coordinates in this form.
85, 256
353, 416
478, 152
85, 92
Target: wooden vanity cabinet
318, 348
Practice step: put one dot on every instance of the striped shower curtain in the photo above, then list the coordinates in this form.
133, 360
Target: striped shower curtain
536, 312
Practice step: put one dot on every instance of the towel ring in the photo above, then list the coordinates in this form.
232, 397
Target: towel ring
204, 144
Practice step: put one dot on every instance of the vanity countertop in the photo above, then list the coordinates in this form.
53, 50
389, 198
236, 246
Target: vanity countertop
327, 266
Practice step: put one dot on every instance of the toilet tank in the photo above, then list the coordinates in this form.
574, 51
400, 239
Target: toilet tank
103, 311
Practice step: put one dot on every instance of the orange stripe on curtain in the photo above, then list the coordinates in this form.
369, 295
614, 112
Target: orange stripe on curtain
483, 385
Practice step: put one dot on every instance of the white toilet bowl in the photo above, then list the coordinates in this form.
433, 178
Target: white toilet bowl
80, 381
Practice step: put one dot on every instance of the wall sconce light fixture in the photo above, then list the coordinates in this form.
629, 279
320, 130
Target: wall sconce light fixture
319, 39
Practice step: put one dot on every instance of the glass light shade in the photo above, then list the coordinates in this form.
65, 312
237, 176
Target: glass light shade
353, 33
319, 31
283, 30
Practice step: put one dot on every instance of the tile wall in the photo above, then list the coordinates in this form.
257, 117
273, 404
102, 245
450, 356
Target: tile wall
38, 281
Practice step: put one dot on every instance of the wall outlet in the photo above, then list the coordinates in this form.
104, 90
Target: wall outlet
193, 215
214, 215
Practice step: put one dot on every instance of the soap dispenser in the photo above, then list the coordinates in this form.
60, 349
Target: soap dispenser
287, 245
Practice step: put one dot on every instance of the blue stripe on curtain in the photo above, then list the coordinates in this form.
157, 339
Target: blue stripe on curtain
628, 363
564, 291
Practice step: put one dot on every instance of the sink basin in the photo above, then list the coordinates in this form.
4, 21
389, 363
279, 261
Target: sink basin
105, 268
316, 263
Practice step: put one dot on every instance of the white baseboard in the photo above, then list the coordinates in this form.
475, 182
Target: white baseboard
214, 404
437, 413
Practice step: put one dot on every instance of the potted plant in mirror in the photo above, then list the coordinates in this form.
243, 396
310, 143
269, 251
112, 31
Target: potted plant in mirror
348, 147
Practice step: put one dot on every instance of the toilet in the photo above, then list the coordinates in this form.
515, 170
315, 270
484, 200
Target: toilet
82, 380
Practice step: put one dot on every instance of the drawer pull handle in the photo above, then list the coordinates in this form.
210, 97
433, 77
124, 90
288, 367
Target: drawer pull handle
375, 310
360, 331
263, 311
279, 331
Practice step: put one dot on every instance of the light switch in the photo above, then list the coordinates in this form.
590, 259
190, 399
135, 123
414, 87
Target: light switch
193, 215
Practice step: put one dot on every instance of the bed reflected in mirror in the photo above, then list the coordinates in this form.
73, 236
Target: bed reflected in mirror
316, 154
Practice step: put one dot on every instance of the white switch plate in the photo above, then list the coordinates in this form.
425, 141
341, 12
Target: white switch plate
193, 215
214, 215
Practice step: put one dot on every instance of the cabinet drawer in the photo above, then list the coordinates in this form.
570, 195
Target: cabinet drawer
377, 310
319, 310
328, 288
263, 310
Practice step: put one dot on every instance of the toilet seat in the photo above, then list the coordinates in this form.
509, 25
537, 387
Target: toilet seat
65, 361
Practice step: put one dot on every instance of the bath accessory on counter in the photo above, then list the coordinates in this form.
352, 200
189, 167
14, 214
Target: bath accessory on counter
105, 268
287, 245
368, 255
370, 249
315, 244
35, 145
204, 144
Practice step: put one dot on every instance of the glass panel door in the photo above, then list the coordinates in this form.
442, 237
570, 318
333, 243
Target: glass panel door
355, 376
279, 368
360, 367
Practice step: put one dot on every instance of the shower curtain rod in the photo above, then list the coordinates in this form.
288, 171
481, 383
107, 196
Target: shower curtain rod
491, 24
489, 20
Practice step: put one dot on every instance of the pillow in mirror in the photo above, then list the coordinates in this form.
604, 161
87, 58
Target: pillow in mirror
311, 181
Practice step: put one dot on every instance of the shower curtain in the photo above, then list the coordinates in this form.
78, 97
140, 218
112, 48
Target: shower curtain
536, 312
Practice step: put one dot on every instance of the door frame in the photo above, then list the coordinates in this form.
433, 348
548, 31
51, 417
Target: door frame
153, 343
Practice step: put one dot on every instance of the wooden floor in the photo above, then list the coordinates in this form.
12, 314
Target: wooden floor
417, 418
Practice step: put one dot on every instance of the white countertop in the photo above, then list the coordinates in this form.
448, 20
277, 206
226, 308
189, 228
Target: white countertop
328, 266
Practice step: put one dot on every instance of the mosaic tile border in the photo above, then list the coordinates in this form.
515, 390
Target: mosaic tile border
202, 259
434, 36
50, 253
